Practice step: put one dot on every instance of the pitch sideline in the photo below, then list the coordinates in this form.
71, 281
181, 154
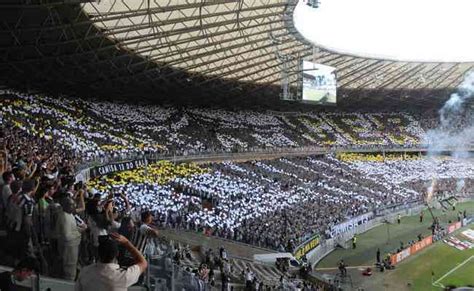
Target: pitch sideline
437, 282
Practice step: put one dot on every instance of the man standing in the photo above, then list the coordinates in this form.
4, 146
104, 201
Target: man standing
6, 192
8, 178
421, 216
27, 205
399, 218
223, 254
248, 279
145, 232
378, 255
342, 268
69, 238
108, 275
354, 241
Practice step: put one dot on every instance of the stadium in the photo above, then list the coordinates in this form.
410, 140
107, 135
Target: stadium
236, 145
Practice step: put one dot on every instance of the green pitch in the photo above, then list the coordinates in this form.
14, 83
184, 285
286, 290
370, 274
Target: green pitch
449, 265
437, 267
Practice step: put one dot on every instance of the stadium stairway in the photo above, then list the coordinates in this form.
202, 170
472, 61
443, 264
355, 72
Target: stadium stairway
267, 274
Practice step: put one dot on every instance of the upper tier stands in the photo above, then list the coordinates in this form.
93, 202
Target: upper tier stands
98, 129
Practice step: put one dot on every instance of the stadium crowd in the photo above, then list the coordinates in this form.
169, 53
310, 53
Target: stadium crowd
65, 227
98, 130
276, 204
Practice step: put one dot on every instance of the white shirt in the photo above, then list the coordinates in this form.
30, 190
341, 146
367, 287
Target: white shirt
249, 276
6, 193
107, 277
66, 228
95, 231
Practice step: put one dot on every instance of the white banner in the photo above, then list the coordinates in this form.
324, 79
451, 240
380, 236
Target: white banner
351, 224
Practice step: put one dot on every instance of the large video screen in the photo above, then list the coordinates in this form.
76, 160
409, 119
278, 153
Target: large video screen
319, 83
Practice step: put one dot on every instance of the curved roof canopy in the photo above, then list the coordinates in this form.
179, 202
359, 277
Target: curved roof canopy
226, 51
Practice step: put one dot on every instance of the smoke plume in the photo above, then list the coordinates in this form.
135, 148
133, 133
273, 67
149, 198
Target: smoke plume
455, 132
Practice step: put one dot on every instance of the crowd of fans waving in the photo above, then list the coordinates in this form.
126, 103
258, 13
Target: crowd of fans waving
275, 204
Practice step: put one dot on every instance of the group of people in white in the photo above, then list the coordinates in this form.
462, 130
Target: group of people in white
280, 203
276, 203
97, 129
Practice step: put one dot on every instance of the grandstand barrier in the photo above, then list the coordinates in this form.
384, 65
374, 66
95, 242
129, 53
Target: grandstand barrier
306, 247
387, 210
411, 250
254, 153
454, 226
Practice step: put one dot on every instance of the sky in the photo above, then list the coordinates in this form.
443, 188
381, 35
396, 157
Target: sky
407, 30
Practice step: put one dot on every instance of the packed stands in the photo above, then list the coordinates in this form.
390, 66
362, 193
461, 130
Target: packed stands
96, 130
275, 204
39, 193
279, 203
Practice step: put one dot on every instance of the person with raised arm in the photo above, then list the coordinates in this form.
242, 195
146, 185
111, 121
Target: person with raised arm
107, 274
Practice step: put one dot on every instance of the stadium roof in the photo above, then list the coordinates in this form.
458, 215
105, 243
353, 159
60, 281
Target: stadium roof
190, 51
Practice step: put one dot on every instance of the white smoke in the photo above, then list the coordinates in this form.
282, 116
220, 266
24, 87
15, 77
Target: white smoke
456, 129
430, 191
460, 185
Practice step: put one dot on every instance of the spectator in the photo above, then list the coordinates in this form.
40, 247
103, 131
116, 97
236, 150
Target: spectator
99, 220
249, 277
223, 253
342, 268
27, 205
69, 238
145, 232
8, 178
107, 275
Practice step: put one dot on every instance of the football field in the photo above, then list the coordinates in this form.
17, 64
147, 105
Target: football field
461, 274
434, 268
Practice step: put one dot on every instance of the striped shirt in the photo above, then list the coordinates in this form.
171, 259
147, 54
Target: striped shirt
142, 238
78, 220
27, 204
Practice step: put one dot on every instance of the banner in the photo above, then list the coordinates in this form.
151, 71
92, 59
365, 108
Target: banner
421, 245
454, 226
306, 247
398, 257
116, 167
351, 224
469, 233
